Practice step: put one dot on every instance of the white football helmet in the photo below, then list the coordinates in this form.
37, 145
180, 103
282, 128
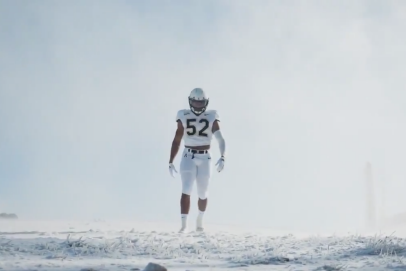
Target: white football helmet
198, 101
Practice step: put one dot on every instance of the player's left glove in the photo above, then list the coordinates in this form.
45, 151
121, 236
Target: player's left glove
220, 164
172, 169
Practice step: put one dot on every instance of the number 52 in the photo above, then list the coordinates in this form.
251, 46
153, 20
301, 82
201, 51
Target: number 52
190, 125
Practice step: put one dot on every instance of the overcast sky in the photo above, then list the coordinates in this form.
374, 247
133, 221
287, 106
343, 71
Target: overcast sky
307, 92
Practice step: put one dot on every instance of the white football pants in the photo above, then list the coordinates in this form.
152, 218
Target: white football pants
195, 167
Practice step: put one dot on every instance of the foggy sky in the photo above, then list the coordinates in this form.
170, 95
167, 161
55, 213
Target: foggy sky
307, 93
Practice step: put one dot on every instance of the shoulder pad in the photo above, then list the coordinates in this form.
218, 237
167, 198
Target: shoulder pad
182, 113
214, 114
179, 115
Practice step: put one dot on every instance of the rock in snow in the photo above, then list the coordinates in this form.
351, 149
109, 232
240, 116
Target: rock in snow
154, 267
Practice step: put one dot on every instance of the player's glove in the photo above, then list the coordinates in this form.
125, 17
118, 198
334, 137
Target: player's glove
172, 169
220, 164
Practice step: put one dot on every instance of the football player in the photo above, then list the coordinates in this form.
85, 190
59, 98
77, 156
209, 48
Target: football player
196, 126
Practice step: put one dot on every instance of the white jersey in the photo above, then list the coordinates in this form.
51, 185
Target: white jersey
197, 129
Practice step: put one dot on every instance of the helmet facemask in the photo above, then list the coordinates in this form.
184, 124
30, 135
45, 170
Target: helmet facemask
198, 106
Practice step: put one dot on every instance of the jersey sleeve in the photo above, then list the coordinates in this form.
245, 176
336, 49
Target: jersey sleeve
216, 116
180, 116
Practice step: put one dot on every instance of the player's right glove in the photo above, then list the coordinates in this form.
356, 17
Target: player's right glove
220, 164
172, 169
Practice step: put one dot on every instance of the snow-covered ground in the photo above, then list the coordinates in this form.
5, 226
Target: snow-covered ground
105, 245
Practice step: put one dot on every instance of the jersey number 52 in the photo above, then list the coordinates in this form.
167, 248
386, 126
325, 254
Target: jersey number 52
190, 125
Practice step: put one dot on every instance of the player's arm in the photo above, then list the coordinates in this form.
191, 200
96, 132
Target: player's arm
176, 141
219, 136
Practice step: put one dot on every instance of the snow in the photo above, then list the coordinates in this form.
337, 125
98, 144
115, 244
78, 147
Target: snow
124, 245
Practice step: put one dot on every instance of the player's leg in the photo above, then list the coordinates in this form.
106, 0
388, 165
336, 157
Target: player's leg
202, 182
188, 175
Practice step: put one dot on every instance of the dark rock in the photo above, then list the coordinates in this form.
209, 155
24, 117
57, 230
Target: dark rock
154, 267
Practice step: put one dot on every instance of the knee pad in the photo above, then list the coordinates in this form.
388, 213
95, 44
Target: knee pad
202, 194
203, 198
186, 191
187, 185
202, 187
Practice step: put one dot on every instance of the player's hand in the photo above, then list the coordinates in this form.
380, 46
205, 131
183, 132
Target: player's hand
172, 169
220, 164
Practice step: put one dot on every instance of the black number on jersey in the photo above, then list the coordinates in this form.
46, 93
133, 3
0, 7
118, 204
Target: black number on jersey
206, 125
189, 125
